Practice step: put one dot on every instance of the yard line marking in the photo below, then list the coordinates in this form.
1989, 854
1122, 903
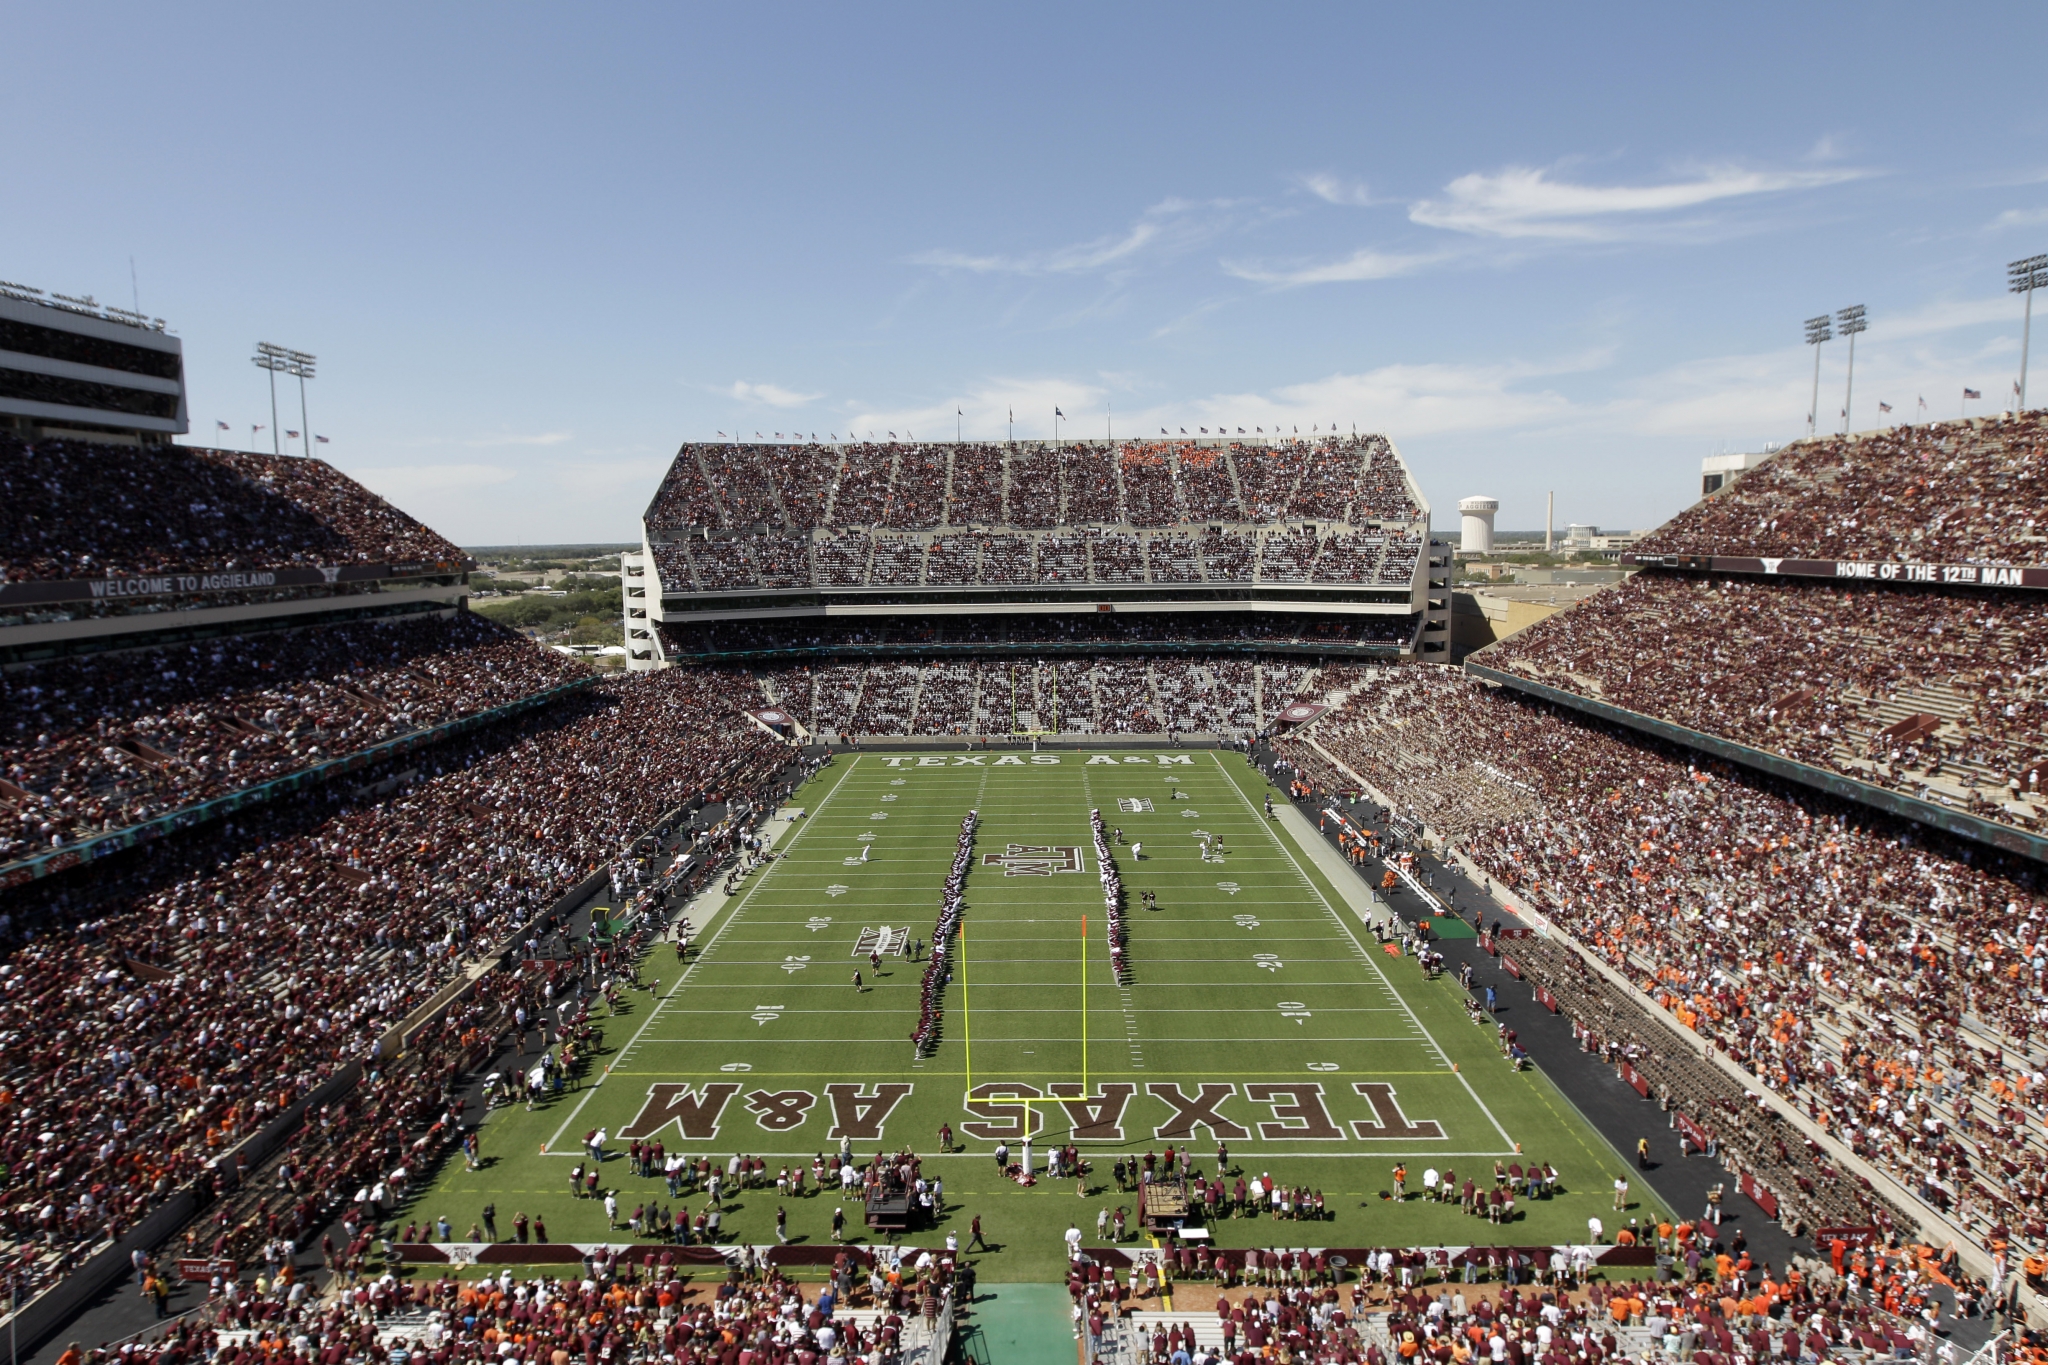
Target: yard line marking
1435, 1046
733, 910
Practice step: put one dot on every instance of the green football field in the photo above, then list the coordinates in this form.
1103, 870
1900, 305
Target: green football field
1259, 1010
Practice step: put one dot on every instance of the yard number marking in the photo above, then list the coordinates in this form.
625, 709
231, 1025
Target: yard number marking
1270, 961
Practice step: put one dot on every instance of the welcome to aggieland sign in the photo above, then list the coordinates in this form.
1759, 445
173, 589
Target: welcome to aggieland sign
209, 581
1867, 570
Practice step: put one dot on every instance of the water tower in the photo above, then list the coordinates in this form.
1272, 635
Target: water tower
1475, 530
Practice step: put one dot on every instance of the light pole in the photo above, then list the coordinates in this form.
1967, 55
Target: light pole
1848, 322
2024, 277
302, 366
273, 359
1817, 330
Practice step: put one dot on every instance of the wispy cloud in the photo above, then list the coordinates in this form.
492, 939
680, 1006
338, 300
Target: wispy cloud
1171, 224
771, 395
1402, 399
2012, 218
540, 438
1067, 260
1524, 201
1337, 190
1367, 263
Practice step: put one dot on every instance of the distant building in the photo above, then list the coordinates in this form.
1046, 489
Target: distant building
1718, 471
1481, 616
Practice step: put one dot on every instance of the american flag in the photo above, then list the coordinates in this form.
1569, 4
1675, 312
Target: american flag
220, 426
1971, 393
293, 434
319, 439
1884, 407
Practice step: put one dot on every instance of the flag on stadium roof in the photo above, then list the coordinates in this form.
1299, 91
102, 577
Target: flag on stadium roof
1971, 393
293, 434
1884, 407
1056, 412
220, 426
318, 439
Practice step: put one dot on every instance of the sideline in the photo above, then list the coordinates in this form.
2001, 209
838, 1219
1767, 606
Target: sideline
1283, 812
732, 910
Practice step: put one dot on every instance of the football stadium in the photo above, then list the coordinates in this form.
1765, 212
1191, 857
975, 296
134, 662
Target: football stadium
1020, 901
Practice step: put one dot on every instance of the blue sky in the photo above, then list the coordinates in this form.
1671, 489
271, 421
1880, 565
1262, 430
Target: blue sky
535, 247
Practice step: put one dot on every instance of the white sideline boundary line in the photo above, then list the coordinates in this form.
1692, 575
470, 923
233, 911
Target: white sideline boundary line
1435, 1046
732, 916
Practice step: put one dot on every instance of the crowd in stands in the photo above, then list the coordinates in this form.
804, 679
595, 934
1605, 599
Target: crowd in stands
977, 496
1034, 496
1881, 977
1415, 1304
918, 496
1948, 492
1936, 693
614, 1309
861, 497
915, 486
1208, 489
160, 1007
774, 559
1113, 694
105, 741
1088, 480
1148, 475
898, 561
77, 509
741, 486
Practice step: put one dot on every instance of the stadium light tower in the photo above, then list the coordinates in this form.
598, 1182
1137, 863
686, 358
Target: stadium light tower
302, 366
1817, 330
273, 359
2024, 277
1848, 322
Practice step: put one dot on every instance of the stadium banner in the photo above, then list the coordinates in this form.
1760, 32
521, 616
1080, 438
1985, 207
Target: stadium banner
1867, 1235
1759, 1196
1635, 1078
1694, 1134
210, 581
1869, 570
1511, 967
1546, 999
202, 1271
1301, 713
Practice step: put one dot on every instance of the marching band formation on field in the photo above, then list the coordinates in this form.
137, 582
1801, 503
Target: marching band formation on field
938, 969
1112, 901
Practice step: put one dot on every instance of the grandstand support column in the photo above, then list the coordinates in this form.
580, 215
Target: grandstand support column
640, 603
1436, 598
